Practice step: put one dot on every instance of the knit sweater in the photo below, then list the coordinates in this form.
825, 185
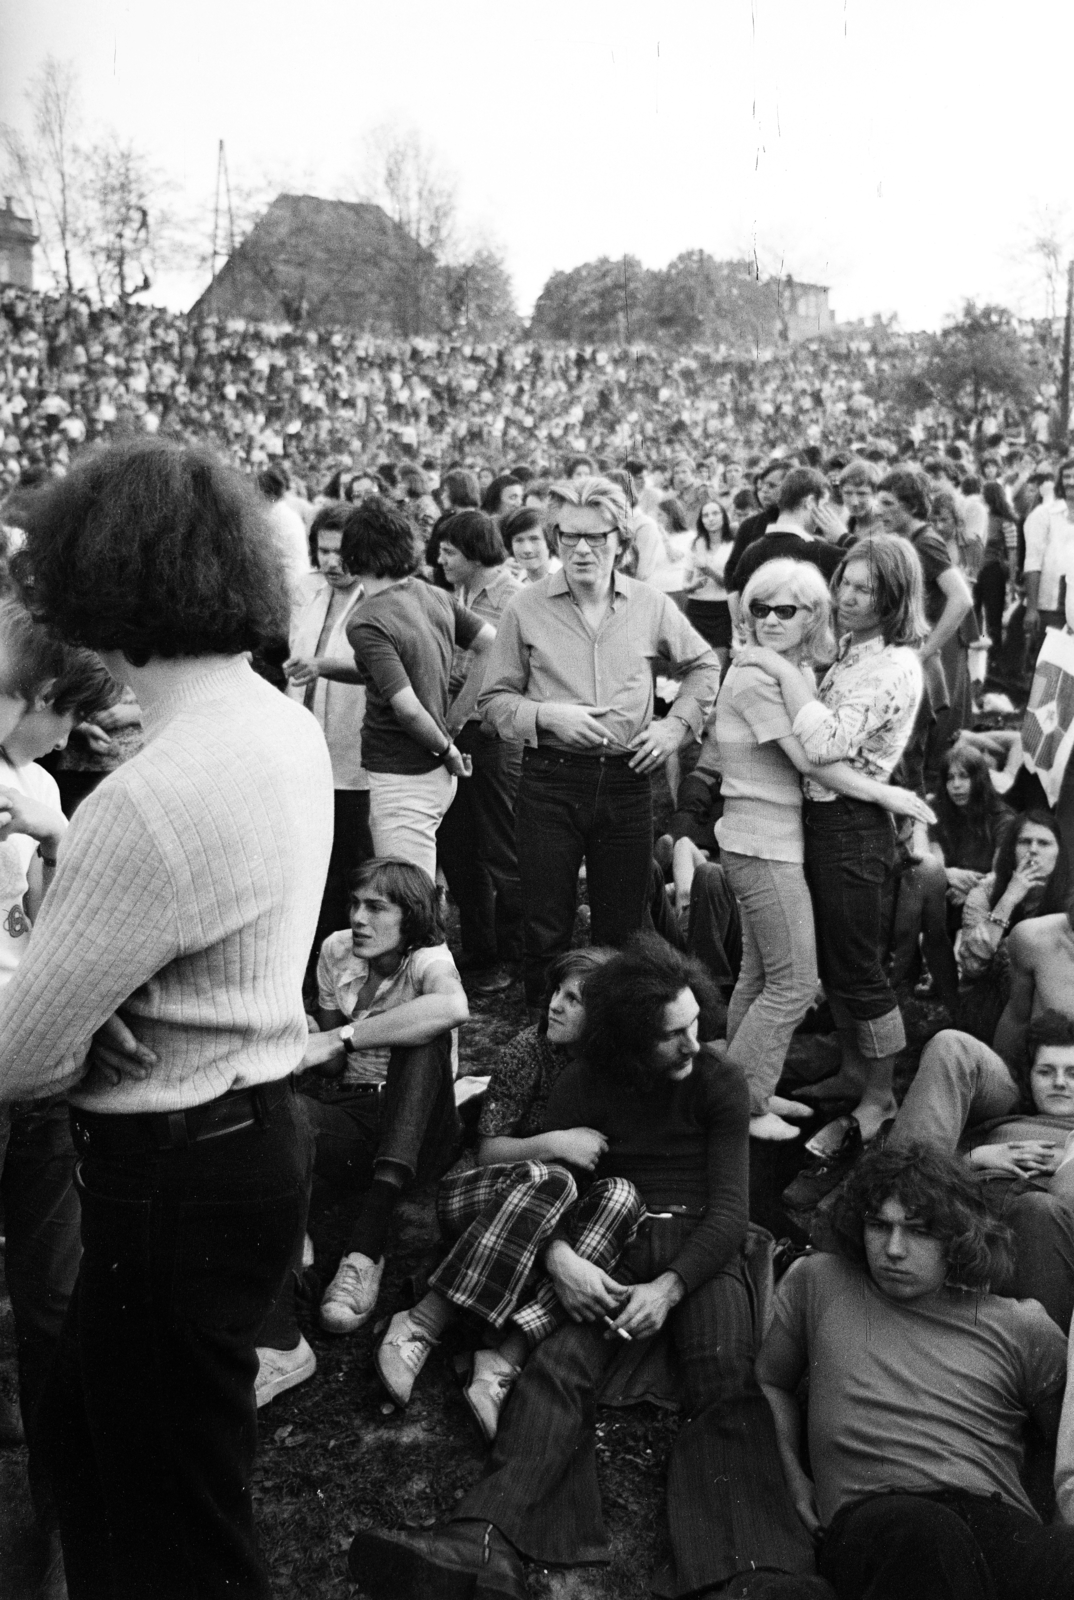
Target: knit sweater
187, 892
685, 1144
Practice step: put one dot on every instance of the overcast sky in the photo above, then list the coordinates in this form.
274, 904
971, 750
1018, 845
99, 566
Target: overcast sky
897, 150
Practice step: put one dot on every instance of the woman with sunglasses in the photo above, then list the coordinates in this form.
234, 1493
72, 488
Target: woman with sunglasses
786, 613
861, 718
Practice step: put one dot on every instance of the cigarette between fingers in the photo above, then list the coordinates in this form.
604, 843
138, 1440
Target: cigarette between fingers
622, 1333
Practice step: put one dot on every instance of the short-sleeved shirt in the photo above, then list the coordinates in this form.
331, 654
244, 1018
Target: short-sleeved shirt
405, 638
16, 854
762, 793
920, 1395
935, 560
522, 1079
340, 976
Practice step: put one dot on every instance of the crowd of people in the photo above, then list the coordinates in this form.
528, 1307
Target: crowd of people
689, 746
328, 401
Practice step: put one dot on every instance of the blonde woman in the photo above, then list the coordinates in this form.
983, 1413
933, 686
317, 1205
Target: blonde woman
786, 609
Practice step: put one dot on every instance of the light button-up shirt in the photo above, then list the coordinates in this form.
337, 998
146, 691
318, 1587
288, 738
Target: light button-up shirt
545, 652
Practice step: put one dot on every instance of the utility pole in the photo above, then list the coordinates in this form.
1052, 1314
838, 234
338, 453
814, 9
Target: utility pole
1064, 386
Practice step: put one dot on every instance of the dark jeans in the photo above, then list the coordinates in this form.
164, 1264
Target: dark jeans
849, 864
570, 807
950, 1546
475, 845
149, 1409
989, 593
41, 1217
352, 843
411, 1122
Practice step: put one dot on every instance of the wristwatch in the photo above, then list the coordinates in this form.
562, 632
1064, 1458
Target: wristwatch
446, 751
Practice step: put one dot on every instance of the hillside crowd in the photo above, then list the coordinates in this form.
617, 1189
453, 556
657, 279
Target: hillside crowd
303, 636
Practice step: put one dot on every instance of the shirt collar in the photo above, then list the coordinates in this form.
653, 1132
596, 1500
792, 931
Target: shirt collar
557, 583
849, 651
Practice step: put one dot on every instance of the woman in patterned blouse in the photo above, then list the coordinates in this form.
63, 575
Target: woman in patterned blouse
863, 714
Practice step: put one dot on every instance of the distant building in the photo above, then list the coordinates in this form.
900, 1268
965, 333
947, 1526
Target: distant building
326, 263
17, 240
804, 310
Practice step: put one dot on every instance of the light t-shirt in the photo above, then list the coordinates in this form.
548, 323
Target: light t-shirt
918, 1396
338, 707
762, 793
16, 854
340, 976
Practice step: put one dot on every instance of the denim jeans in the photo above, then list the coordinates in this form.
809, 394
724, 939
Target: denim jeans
570, 807
476, 848
41, 1224
778, 980
405, 811
849, 865
149, 1408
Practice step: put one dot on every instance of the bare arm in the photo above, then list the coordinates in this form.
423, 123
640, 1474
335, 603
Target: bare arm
779, 1372
420, 1020
958, 600
464, 705
578, 1147
1009, 1041
844, 779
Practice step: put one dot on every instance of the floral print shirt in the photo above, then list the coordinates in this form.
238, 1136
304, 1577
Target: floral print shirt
865, 713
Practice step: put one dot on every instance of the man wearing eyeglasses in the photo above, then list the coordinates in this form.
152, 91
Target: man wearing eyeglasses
570, 675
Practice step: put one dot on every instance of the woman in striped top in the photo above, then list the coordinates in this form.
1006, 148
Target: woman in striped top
786, 611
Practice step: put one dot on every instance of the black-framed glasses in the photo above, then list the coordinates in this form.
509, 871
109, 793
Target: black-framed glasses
760, 610
595, 541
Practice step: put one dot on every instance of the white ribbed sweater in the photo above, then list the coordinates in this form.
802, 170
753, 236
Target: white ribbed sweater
187, 892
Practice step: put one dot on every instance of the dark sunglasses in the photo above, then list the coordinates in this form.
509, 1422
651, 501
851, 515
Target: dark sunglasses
760, 610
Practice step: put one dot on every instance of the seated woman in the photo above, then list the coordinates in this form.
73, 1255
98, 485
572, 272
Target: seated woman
1017, 1130
1024, 883
385, 1120
501, 1214
970, 817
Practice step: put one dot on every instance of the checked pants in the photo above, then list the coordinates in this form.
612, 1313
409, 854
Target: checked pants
499, 1219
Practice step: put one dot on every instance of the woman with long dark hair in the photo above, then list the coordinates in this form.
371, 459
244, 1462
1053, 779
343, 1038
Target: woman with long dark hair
706, 602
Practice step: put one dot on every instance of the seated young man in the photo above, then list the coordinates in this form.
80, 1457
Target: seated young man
385, 1119
921, 1384
676, 1124
1014, 1129
41, 1210
1041, 951
528, 1187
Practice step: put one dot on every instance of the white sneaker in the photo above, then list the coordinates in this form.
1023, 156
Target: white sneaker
351, 1297
401, 1355
282, 1369
486, 1393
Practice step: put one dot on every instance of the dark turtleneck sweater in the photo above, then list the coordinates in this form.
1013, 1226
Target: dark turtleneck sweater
682, 1145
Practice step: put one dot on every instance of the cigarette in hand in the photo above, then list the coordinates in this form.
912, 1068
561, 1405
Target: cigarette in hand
623, 1334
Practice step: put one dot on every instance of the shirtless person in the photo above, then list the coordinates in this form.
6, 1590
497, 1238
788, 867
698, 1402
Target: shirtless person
1042, 978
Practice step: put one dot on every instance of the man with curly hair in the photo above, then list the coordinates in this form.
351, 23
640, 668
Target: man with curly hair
185, 895
921, 1383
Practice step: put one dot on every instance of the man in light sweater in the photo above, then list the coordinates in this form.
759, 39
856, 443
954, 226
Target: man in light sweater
186, 896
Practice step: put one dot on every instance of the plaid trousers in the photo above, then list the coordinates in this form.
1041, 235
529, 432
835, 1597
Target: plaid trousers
500, 1217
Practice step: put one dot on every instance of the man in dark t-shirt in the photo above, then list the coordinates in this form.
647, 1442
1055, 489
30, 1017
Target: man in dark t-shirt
676, 1118
403, 634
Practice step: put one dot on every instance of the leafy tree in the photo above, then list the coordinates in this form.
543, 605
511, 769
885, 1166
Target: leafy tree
126, 229
602, 301
977, 363
478, 297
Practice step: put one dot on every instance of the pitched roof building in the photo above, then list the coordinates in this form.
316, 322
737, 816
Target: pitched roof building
17, 240
325, 262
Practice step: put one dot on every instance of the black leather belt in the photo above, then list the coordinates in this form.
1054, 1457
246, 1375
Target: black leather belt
99, 1133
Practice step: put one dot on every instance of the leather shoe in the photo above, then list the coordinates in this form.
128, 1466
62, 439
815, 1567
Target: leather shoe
464, 1560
